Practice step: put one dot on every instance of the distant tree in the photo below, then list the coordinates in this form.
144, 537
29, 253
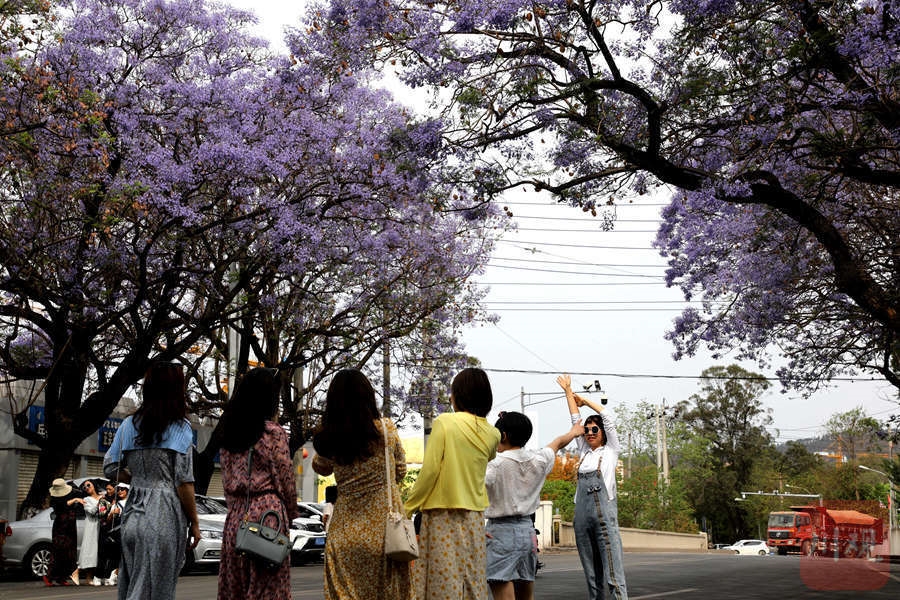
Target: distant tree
565, 468
852, 432
773, 125
797, 460
562, 494
726, 421
645, 504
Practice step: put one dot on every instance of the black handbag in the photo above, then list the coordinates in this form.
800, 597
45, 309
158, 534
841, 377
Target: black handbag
268, 546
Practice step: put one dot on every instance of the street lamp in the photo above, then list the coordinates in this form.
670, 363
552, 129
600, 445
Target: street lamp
890, 495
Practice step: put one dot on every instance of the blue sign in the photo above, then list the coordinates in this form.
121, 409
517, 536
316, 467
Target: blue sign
107, 433
36, 421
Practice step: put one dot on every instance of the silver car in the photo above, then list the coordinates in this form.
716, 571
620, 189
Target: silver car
30, 546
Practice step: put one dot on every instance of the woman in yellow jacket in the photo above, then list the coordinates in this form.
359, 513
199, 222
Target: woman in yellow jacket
451, 496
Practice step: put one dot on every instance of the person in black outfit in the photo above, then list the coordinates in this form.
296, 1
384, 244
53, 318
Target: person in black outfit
64, 534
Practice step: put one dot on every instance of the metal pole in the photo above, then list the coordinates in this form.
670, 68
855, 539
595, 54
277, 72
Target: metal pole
658, 446
665, 444
522, 399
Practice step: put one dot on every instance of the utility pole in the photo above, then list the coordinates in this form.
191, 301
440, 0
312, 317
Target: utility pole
658, 446
522, 399
665, 444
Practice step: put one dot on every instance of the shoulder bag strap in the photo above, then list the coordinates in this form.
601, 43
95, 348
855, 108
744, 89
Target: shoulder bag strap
387, 467
249, 480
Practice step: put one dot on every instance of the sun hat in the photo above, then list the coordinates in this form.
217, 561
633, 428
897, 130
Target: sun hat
60, 488
123, 486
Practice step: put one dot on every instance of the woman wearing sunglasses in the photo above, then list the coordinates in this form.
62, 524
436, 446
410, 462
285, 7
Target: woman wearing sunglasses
596, 520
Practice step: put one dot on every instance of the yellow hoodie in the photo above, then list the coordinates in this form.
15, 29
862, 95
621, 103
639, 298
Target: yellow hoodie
456, 458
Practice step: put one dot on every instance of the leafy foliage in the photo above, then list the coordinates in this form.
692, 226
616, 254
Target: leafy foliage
562, 494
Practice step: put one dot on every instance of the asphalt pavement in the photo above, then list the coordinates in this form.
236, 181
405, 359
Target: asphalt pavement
675, 576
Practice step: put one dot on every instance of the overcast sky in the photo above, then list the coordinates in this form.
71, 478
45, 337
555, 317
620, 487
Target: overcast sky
573, 298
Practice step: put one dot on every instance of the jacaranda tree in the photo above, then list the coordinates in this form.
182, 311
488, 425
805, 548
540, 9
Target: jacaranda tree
773, 126
171, 178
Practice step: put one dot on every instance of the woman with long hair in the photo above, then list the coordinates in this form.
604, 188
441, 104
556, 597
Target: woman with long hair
153, 450
350, 444
258, 476
96, 508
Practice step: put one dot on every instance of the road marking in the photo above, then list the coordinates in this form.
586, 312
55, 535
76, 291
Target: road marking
661, 594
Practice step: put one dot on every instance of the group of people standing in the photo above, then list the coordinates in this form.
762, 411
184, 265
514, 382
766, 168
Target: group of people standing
472, 471
97, 559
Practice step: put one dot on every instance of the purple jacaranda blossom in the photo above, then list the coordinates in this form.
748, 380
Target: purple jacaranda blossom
773, 126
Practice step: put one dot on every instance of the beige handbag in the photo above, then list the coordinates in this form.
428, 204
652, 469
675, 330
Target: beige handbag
400, 541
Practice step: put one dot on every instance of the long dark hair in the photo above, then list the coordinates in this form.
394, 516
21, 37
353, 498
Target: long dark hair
348, 431
254, 402
164, 402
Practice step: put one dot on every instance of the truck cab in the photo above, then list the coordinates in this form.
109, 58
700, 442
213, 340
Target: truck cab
791, 531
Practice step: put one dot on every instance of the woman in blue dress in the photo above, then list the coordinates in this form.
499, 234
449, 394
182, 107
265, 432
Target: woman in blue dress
152, 449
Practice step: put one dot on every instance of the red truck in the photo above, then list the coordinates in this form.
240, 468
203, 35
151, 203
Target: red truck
825, 532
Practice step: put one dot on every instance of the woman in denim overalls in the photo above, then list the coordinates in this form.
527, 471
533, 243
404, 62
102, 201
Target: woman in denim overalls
596, 510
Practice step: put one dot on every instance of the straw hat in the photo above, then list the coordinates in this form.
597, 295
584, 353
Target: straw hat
60, 488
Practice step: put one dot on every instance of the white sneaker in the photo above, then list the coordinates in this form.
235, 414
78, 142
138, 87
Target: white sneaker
113, 579
110, 581
96, 581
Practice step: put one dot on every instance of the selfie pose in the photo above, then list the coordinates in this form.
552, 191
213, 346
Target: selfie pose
596, 510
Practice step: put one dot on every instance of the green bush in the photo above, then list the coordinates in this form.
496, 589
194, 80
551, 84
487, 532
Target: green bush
562, 494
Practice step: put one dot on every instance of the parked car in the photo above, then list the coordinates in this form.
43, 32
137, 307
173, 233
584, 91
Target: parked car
750, 547
29, 543
306, 533
208, 552
308, 539
311, 510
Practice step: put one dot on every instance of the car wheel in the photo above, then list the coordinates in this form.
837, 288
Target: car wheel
37, 561
737, 551
805, 548
762, 552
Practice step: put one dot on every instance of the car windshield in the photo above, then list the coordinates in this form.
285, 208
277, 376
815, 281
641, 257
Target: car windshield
205, 506
781, 520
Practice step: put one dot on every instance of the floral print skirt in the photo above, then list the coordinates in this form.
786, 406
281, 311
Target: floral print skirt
452, 557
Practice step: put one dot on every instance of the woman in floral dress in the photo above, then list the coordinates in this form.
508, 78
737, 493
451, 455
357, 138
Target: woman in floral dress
268, 484
350, 444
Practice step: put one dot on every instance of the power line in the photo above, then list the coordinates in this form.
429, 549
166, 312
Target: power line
664, 376
583, 219
594, 274
584, 246
592, 310
601, 206
577, 262
594, 302
597, 231
547, 283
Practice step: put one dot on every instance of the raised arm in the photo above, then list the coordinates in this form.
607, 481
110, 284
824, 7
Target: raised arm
564, 440
565, 382
582, 401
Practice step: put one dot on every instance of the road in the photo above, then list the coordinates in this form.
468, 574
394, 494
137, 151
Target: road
670, 576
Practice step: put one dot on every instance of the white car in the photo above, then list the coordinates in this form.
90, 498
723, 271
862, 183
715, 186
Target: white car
750, 547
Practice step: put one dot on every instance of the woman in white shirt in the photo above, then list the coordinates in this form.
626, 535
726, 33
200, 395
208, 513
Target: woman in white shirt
596, 520
513, 480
